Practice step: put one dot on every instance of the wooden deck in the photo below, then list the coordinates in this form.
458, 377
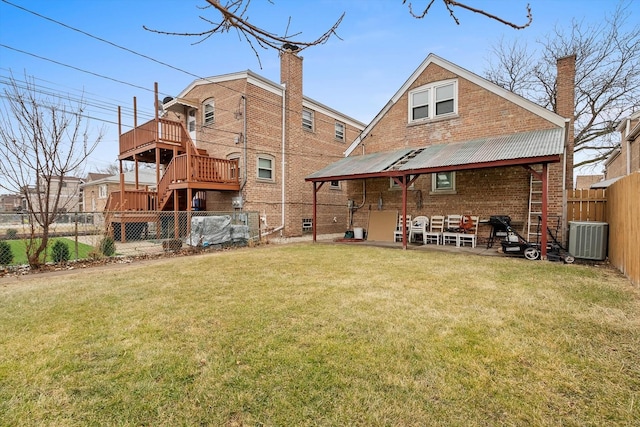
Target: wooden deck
186, 167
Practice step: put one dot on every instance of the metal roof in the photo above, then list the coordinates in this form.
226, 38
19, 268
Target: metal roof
537, 146
485, 150
359, 165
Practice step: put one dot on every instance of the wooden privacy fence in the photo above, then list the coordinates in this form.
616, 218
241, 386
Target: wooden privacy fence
587, 205
623, 213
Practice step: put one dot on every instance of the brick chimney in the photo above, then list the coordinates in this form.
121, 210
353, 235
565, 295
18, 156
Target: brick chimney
565, 105
291, 78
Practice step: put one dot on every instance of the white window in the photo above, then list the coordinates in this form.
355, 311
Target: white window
307, 120
102, 191
209, 112
443, 182
265, 168
334, 184
433, 100
339, 131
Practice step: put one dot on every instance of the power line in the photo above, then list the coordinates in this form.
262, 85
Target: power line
75, 68
289, 152
135, 53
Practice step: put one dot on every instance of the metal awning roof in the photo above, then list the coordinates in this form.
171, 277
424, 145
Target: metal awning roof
180, 102
543, 146
605, 183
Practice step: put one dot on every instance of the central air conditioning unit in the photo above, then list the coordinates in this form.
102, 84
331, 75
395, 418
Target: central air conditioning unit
588, 239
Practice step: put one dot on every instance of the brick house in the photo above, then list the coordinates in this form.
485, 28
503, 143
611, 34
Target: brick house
239, 142
98, 187
626, 158
10, 202
70, 198
451, 142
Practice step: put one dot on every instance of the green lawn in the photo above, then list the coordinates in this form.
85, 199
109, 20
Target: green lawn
18, 248
322, 335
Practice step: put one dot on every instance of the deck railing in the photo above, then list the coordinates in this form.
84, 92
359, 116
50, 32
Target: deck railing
132, 200
203, 169
163, 130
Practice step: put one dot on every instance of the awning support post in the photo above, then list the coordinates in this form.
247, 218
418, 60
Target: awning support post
404, 212
315, 207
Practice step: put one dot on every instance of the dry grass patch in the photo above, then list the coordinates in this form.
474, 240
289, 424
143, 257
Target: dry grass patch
322, 335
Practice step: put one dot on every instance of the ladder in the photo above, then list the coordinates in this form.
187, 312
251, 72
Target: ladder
535, 206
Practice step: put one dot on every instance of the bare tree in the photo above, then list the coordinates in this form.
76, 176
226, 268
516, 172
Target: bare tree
234, 15
607, 76
450, 4
42, 141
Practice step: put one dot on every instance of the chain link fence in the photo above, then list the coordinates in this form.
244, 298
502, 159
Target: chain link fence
93, 234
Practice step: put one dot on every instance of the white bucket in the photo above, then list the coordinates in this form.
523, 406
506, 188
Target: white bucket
358, 233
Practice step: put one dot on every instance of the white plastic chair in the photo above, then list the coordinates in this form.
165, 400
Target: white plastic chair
450, 233
470, 233
436, 227
419, 226
397, 234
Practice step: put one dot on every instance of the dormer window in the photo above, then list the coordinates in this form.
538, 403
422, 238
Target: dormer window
433, 101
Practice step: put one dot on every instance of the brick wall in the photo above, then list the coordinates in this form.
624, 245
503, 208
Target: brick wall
305, 151
484, 192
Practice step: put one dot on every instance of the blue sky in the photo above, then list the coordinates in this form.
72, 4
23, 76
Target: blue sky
381, 46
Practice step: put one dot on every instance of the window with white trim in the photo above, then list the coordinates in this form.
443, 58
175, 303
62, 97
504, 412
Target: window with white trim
209, 112
339, 131
443, 182
307, 120
335, 185
433, 101
265, 168
102, 191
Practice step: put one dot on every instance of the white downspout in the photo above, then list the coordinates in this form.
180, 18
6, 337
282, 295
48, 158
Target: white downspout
284, 108
565, 223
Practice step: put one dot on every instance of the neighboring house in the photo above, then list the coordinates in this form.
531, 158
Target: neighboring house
626, 158
98, 187
451, 142
70, 198
586, 181
242, 142
10, 202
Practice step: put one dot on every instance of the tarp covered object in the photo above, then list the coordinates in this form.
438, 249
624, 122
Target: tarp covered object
215, 230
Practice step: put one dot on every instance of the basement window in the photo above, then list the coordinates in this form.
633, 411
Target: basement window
307, 225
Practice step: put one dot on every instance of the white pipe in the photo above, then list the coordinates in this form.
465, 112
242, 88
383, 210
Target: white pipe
244, 141
266, 233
